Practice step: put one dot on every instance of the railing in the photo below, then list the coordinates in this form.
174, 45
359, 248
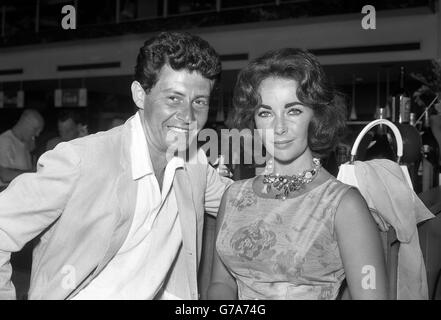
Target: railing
40, 20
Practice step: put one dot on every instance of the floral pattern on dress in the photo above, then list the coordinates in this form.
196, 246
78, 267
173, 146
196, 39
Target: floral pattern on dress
326, 293
318, 246
246, 199
330, 212
279, 250
274, 219
252, 241
289, 263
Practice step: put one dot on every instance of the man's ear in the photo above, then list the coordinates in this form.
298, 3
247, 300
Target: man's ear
138, 94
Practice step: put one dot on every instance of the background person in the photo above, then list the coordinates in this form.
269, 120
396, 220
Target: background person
115, 122
16, 145
71, 125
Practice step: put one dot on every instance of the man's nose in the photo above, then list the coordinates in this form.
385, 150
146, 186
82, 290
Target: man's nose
186, 113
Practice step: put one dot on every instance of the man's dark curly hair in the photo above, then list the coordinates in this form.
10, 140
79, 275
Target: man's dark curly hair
329, 121
180, 51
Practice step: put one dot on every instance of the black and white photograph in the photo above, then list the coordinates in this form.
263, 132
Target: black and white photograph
204, 151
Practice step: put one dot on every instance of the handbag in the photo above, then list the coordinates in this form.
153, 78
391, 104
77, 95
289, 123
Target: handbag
346, 173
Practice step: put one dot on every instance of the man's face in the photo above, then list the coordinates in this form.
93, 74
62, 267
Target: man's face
175, 109
68, 130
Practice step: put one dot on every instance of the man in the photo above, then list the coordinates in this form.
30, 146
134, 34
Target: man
71, 125
16, 145
123, 211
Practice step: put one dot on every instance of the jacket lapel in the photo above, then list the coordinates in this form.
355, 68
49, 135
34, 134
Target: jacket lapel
187, 217
126, 191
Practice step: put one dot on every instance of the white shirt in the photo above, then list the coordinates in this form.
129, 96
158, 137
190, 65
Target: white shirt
141, 265
14, 154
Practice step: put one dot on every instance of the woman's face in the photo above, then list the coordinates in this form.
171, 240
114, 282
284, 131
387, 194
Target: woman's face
283, 119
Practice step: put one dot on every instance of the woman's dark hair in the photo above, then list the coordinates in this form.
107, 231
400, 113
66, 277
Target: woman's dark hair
329, 121
180, 51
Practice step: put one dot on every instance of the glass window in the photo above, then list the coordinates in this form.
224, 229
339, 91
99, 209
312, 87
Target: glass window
189, 6
128, 10
244, 3
98, 12
149, 9
19, 19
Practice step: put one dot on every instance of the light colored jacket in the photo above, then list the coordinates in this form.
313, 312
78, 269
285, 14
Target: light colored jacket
82, 200
389, 196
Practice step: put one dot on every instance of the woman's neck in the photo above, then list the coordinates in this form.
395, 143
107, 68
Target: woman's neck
300, 164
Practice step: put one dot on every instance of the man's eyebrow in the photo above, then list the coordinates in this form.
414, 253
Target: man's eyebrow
174, 91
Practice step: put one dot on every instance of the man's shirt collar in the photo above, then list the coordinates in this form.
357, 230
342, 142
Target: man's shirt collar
140, 155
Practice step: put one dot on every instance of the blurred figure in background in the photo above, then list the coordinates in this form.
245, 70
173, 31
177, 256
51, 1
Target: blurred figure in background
117, 121
71, 125
435, 123
16, 145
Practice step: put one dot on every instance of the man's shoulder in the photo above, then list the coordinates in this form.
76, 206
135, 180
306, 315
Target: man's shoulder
8, 141
99, 139
99, 148
6, 137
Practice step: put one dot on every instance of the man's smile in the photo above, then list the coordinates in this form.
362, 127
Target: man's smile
179, 129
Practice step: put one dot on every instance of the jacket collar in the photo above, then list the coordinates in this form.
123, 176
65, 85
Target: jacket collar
141, 163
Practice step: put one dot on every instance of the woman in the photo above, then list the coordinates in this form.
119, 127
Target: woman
294, 232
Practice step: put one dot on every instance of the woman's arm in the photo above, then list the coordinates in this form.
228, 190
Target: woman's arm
222, 284
361, 249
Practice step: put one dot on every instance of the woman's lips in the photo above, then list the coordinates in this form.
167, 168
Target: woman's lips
282, 144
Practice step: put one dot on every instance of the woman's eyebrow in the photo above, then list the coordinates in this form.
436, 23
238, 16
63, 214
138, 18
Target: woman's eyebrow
202, 96
291, 104
288, 105
265, 106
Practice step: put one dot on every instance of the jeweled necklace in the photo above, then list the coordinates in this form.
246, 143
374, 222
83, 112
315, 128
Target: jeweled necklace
284, 185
